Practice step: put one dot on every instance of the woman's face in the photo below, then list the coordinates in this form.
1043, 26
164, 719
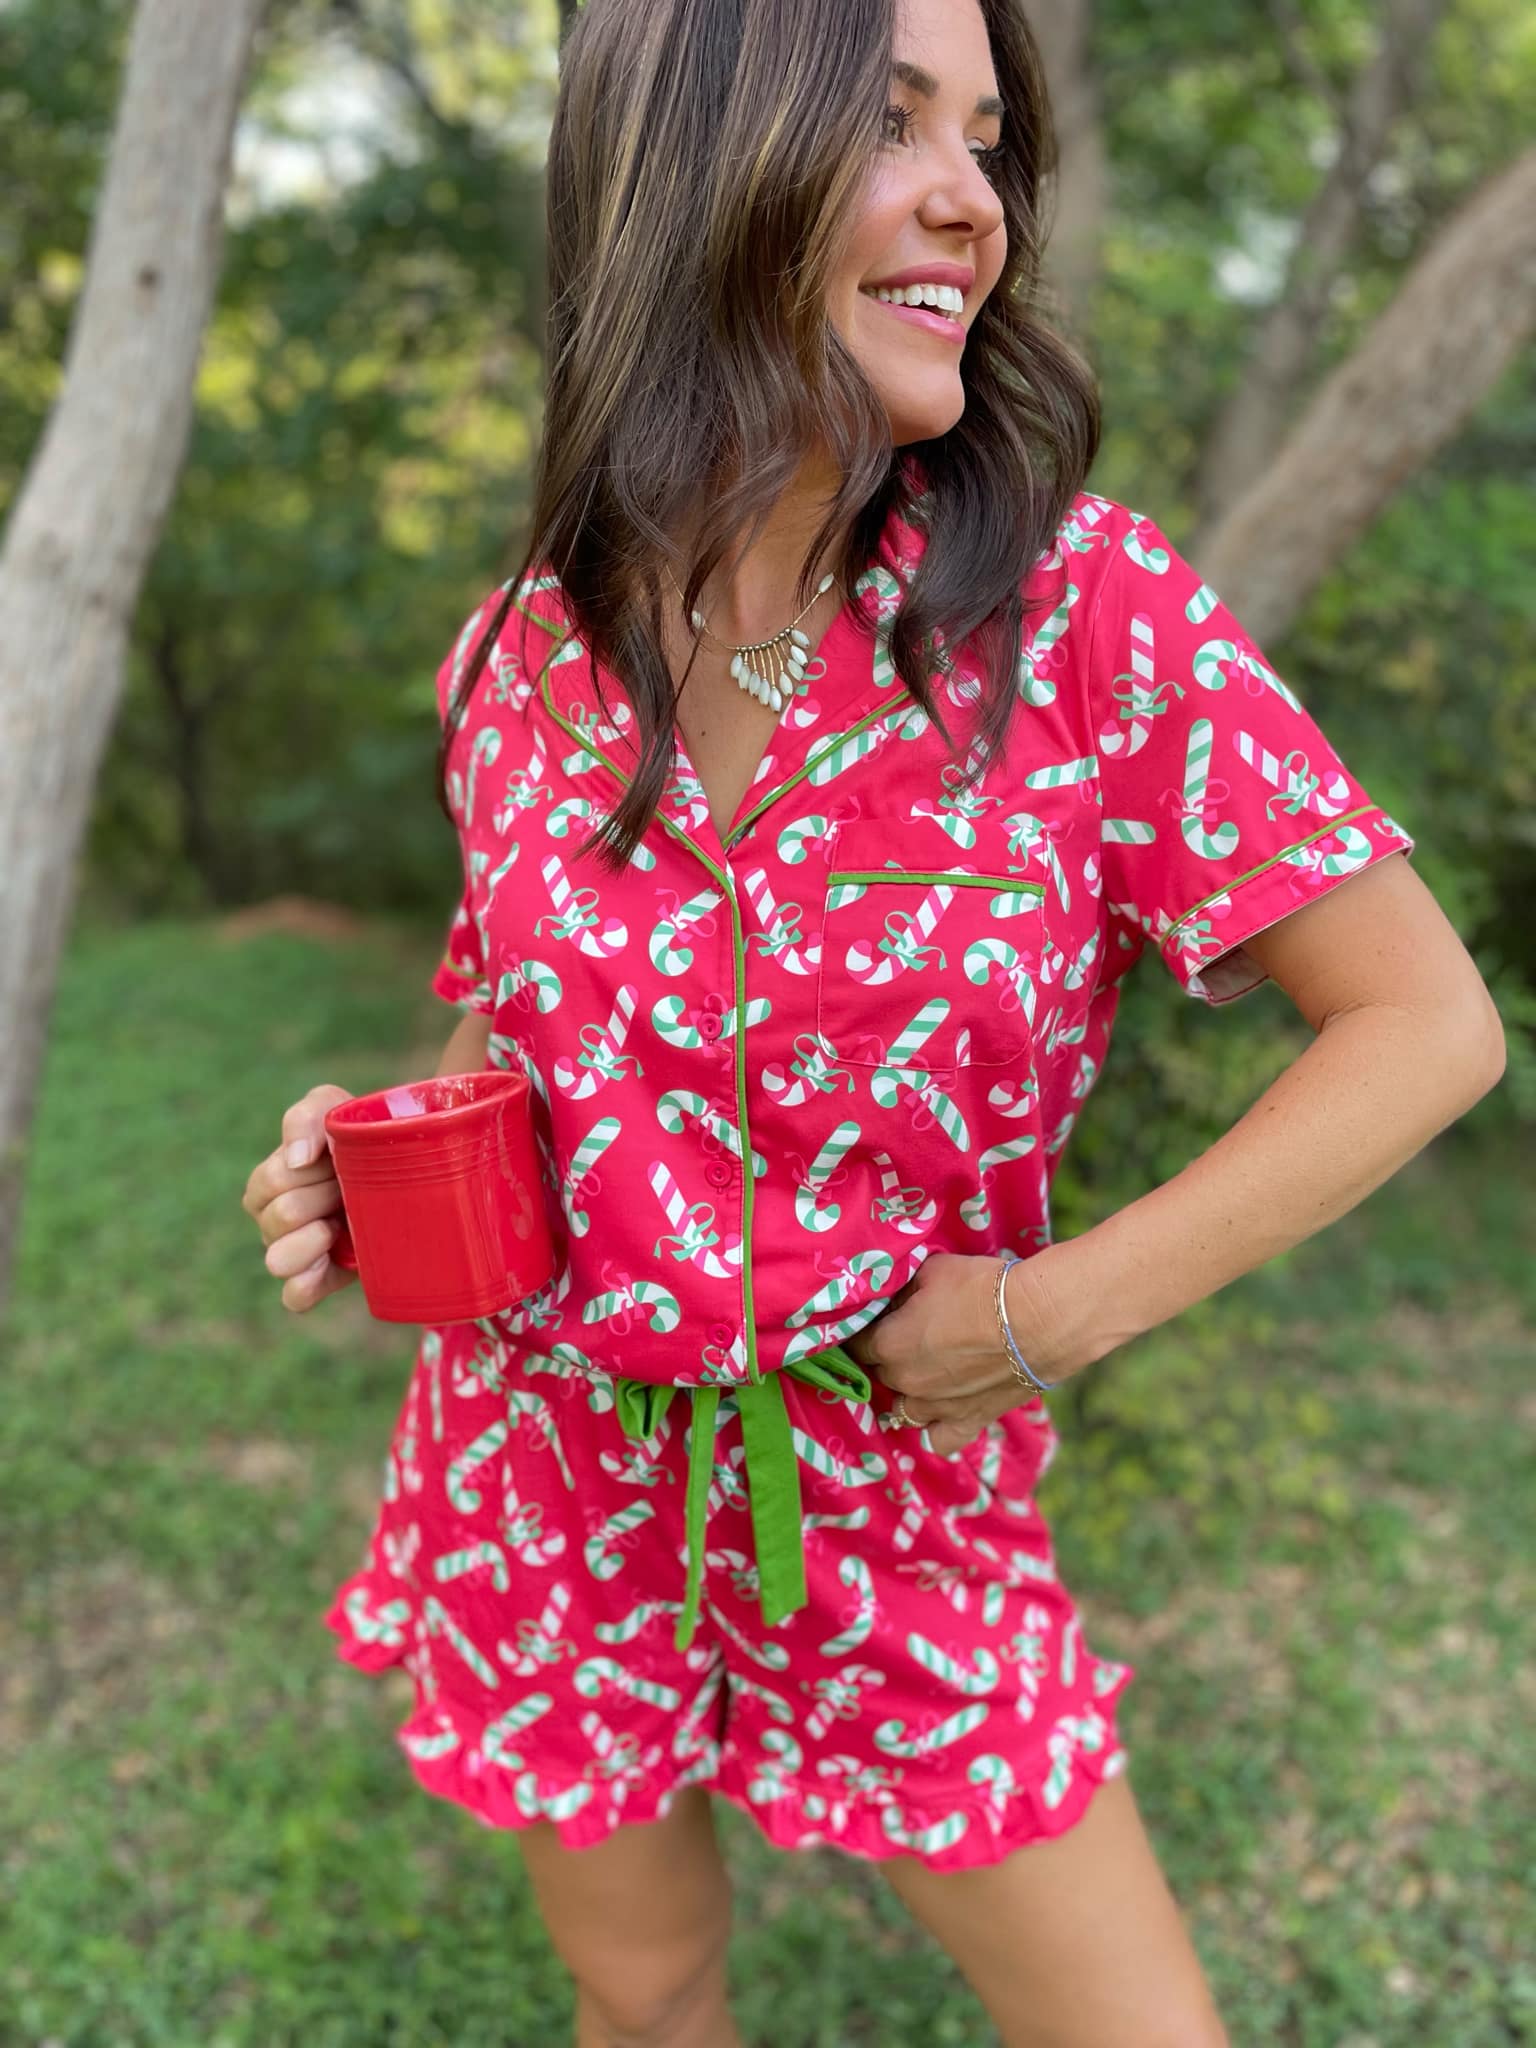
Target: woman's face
930, 214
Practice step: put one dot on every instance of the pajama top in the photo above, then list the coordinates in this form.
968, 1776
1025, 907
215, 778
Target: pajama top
774, 1072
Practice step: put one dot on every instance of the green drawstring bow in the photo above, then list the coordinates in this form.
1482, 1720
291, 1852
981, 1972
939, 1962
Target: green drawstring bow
772, 1471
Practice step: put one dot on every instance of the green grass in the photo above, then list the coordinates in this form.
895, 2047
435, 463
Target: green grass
1303, 1511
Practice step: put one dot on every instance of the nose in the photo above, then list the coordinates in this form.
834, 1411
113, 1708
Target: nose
962, 197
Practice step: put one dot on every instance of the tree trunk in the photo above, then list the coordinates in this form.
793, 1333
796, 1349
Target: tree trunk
1251, 424
1079, 191
93, 504
1465, 309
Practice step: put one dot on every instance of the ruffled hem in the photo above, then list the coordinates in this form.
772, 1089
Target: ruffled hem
474, 1764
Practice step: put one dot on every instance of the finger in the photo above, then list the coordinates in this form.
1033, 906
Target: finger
303, 1202
314, 1284
288, 1255
948, 1437
304, 1138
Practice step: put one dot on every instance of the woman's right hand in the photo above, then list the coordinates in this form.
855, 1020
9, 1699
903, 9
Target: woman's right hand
295, 1198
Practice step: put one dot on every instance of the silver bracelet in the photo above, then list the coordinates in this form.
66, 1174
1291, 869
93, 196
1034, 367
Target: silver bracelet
1016, 1362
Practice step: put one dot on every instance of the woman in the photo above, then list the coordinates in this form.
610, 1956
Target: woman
820, 774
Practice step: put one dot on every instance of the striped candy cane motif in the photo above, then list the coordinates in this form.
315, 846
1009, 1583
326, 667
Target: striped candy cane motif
670, 1014
668, 954
564, 817
893, 1739
455, 1564
1201, 605
1127, 832
680, 1106
876, 1265
940, 1665
853, 1572
781, 938
770, 1655
813, 1209
666, 1312
1139, 704
495, 1744
1354, 852
497, 877
692, 1236
813, 1071
839, 1696
907, 1209
1213, 661
1025, 832
602, 1053
994, 962
583, 1160
869, 1469
1215, 845
994, 1774
1063, 774
534, 1805
525, 786
522, 1530
540, 1643
924, 1841
1293, 777
596, 1672
844, 754
886, 1084
384, 1625
464, 1498
576, 915
1036, 689
1071, 1734
773, 1704
539, 980
974, 1210
1013, 1098
784, 1763
905, 945
438, 1621
603, 1561
430, 1747
485, 752
1145, 553
797, 839
636, 1622
858, 1519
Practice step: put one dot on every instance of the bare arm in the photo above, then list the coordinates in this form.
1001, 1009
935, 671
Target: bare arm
466, 1050
1407, 1040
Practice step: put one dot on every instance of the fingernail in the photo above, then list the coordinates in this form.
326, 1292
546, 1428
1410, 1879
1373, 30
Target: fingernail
300, 1152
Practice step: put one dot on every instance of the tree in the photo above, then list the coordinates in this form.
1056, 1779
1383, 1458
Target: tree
94, 500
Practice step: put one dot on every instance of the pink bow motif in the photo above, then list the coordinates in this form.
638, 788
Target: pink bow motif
1217, 790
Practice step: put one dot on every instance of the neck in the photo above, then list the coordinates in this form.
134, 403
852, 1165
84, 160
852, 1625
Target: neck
751, 598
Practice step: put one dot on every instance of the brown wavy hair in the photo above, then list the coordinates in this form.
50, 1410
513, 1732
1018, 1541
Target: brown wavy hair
705, 162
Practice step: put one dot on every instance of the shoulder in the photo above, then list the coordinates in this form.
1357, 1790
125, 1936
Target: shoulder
526, 619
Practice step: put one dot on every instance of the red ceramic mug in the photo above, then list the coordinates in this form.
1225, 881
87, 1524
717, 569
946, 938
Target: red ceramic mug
443, 1217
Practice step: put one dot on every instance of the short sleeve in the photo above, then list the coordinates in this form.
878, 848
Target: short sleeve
1225, 807
462, 976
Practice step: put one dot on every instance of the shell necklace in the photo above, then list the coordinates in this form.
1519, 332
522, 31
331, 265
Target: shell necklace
769, 670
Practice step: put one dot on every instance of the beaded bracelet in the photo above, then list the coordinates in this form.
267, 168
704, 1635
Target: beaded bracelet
1016, 1363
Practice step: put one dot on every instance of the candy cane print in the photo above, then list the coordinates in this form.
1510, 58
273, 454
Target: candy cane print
811, 1072
994, 1774
1215, 658
1036, 689
1016, 1565
838, 1696
692, 1235
1026, 831
576, 915
1299, 786
853, 1573
1127, 832
876, 1264
668, 956
906, 1495
953, 824
896, 1204
666, 1312
893, 1739
773, 1704
636, 1622
455, 1564
915, 1034
813, 1210
995, 962
1063, 774
534, 976
1209, 845
875, 963
494, 1743
924, 1841
940, 1665
780, 938
533, 1804
400, 1550
602, 1561
1013, 1099
993, 1605
494, 882
522, 1530
523, 1402
858, 1519
845, 753
1140, 705
1201, 605
1069, 1735
787, 1760
669, 1014
439, 1622
428, 1748
1077, 969
1068, 1664
770, 1655
796, 840
464, 1498
583, 1159
565, 815
486, 749
1153, 558
539, 1643
1354, 852
886, 1084
603, 1051
383, 1625
595, 1672
974, 1209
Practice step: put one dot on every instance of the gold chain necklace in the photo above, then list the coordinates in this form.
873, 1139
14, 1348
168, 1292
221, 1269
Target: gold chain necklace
768, 670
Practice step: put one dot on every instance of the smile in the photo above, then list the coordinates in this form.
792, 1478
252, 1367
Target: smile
936, 307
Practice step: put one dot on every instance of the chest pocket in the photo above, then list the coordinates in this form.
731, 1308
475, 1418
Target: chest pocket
931, 967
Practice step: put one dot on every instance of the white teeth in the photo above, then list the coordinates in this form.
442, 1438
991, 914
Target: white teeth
940, 298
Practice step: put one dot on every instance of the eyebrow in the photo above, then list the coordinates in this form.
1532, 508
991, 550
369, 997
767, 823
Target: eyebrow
924, 83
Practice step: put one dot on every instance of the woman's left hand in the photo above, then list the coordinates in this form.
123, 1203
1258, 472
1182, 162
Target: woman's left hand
939, 1347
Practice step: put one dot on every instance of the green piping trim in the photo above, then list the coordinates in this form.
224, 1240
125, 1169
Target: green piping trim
814, 761
738, 954
1008, 885
1263, 867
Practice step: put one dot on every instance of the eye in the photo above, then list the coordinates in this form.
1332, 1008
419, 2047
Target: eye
991, 160
903, 118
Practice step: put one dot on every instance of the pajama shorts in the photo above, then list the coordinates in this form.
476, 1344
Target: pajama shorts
935, 1697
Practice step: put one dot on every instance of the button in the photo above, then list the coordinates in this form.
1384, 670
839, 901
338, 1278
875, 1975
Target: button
710, 1026
722, 1333
718, 1174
